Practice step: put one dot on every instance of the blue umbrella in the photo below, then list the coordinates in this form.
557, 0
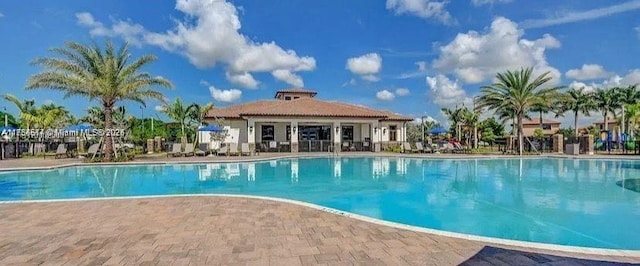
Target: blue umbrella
79, 128
438, 130
211, 128
7, 128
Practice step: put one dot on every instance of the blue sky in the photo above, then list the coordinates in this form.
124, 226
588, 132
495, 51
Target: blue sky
412, 57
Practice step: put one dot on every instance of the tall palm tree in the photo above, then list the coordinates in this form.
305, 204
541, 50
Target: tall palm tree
628, 96
455, 116
577, 101
108, 76
179, 112
471, 120
604, 99
25, 107
516, 91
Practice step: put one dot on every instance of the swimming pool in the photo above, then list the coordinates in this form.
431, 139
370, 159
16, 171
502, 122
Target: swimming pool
547, 200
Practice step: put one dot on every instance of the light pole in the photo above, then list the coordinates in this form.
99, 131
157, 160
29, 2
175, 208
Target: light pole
142, 124
6, 120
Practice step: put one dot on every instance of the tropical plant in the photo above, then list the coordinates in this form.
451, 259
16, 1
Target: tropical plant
180, 113
11, 120
516, 91
577, 101
25, 107
567, 132
108, 76
455, 116
604, 100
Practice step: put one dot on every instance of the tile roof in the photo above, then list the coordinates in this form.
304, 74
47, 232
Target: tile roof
296, 90
309, 107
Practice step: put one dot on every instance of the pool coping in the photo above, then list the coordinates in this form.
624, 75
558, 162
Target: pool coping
463, 236
494, 240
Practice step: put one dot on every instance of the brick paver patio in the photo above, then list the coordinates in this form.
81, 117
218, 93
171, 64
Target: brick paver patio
232, 231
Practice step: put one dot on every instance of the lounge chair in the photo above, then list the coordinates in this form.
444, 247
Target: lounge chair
244, 149
407, 147
93, 149
188, 150
273, 146
223, 150
61, 151
345, 146
203, 149
420, 148
176, 150
233, 149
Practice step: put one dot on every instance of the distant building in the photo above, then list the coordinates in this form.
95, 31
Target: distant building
549, 127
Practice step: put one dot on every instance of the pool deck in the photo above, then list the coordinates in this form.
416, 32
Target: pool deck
234, 231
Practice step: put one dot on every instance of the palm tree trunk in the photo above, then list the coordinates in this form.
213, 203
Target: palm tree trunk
606, 124
575, 123
108, 125
541, 121
520, 134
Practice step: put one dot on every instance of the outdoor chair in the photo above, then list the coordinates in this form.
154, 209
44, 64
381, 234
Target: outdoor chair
273, 146
345, 146
188, 150
176, 150
419, 147
233, 149
223, 150
93, 150
245, 149
203, 149
365, 146
407, 147
61, 151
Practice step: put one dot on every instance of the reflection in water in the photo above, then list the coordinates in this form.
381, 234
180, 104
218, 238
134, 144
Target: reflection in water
562, 201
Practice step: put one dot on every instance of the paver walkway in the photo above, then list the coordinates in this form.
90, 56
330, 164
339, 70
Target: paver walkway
232, 231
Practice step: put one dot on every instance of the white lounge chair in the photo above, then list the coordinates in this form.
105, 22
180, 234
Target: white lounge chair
244, 149
189, 150
407, 147
93, 149
223, 150
61, 151
176, 150
203, 149
273, 146
233, 149
419, 147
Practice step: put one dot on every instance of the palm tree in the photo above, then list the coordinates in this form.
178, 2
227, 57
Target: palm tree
107, 76
179, 112
455, 116
604, 100
628, 96
26, 107
516, 91
471, 120
577, 101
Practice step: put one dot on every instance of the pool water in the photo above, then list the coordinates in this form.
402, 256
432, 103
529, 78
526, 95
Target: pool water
556, 201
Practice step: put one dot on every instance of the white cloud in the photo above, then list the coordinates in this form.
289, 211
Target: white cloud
570, 17
419, 120
421, 72
159, 108
588, 72
245, 80
48, 102
447, 93
637, 29
488, 2
372, 78
209, 35
475, 57
578, 85
204, 83
228, 96
351, 82
631, 78
367, 66
422, 8
402, 92
385, 95
288, 77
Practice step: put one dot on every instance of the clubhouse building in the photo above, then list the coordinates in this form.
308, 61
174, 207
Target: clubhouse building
297, 121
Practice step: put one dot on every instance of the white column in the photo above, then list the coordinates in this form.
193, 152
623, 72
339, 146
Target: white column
294, 132
337, 136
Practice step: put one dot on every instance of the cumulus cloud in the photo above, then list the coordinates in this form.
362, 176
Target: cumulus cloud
159, 108
209, 35
447, 93
402, 92
288, 77
244, 79
488, 2
419, 120
476, 57
385, 95
631, 78
578, 85
228, 96
366, 66
588, 72
428, 9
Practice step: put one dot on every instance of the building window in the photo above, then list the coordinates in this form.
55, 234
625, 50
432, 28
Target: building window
392, 133
546, 127
347, 133
268, 133
287, 98
296, 97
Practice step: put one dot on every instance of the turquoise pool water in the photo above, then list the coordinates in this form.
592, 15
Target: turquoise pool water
557, 201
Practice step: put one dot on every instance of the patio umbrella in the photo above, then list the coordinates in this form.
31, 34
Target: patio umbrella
79, 128
438, 130
211, 128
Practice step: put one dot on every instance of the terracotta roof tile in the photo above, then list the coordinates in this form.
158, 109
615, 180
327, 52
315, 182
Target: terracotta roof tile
536, 121
298, 90
310, 107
